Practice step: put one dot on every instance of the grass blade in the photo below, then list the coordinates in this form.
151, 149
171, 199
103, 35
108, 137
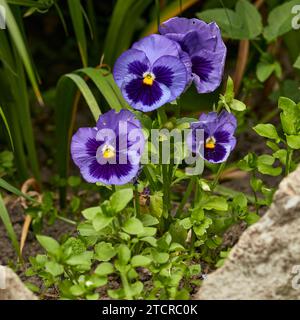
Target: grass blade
87, 94
115, 29
7, 128
8, 226
18, 40
78, 25
103, 86
8, 187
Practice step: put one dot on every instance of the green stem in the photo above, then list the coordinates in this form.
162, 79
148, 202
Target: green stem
166, 188
186, 196
162, 116
230, 193
126, 286
217, 176
289, 154
149, 178
255, 196
136, 201
66, 220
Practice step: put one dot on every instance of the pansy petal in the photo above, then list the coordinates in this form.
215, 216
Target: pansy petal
227, 122
171, 72
195, 41
207, 70
84, 146
219, 154
181, 26
145, 97
156, 46
116, 174
112, 118
132, 62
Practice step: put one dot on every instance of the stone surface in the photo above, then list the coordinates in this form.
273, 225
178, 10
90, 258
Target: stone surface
265, 263
12, 288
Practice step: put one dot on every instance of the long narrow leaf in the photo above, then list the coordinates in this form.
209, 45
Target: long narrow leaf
8, 187
103, 85
87, 94
8, 226
18, 40
115, 29
7, 128
78, 25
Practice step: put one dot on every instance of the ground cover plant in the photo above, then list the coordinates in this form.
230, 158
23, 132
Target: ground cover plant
133, 168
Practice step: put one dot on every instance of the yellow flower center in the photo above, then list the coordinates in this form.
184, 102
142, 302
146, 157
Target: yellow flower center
210, 143
148, 78
108, 152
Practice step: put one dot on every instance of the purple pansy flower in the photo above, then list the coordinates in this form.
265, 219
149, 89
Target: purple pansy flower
219, 138
152, 73
205, 47
110, 152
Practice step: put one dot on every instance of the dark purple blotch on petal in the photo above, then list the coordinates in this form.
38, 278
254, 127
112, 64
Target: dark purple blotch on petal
139, 92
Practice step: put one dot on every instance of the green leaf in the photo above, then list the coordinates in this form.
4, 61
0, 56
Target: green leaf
186, 223
54, 268
126, 15
215, 203
7, 128
293, 141
49, 244
90, 213
104, 269
160, 257
279, 20
100, 221
250, 17
8, 187
264, 165
18, 40
83, 259
120, 199
200, 228
251, 218
148, 220
76, 13
264, 70
229, 92
267, 130
240, 200
133, 226
151, 240
124, 254
87, 94
243, 23
106, 86
140, 261
94, 296
8, 226
104, 251
281, 155
237, 105
156, 204
77, 290
297, 63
